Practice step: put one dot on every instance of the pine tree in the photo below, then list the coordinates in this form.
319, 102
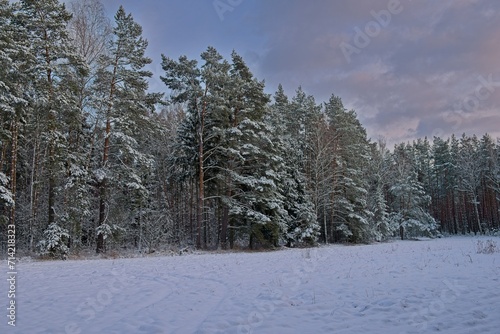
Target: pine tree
257, 205
470, 175
410, 203
460, 219
301, 120
378, 179
496, 181
13, 57
259, 202
351, 155
302, 227
199, 134
54, 242
496, 173
54, 71
124, 105
161, 219
90, 31
489, 205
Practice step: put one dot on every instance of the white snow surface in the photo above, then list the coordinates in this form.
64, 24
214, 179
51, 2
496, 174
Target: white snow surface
425, 286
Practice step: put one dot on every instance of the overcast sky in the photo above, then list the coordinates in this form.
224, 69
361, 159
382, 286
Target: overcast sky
409, 68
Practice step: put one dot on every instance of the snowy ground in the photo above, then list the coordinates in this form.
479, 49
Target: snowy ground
440, 285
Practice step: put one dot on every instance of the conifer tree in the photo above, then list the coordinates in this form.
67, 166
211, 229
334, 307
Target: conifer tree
17, 67
256, 202
302, 227
55, 114
443, 180
410, 202
489, 207
199, 133
470, 176
496, 173
13, 51
351, 156
124, 105
378, 178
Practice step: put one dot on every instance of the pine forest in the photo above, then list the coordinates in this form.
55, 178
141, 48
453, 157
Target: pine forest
92, 160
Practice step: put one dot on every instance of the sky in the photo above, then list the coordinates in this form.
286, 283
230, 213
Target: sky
410, 69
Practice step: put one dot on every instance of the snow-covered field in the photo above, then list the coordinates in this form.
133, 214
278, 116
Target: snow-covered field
428, 286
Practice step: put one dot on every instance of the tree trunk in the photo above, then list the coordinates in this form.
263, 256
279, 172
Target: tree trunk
225, 214
52, 186
476, 211
100, 246
224, 224
454, 213
33, 192
251, 241
13, 171
199, 205
324, 223
231, 237
201, 176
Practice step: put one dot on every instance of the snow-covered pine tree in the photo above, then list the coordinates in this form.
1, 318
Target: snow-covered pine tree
54, 242
443, 193
16, 105
174, 185
13, 50
5, 195
123, 105
410, 202
90, 31
423, 160
276, 117
255, 203
162, 219
302, 227
496, 181
350, 188
301, 119
470, 176
496, 176
489, 207
54, 116
201, 92
458, 201
378, 179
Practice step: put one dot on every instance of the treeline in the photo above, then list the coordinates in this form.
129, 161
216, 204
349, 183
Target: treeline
90, 159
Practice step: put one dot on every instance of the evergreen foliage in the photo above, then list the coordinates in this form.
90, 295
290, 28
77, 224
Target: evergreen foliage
54, 242
90, 158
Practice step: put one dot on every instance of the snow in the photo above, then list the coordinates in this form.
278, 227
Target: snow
443, 285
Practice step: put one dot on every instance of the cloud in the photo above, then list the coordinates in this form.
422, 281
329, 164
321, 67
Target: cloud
406, 82
412, 72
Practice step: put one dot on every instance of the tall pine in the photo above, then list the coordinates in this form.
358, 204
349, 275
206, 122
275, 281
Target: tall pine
124, 106
350, 212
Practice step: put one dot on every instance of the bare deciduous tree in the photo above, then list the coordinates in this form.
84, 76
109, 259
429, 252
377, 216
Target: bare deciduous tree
90, 29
